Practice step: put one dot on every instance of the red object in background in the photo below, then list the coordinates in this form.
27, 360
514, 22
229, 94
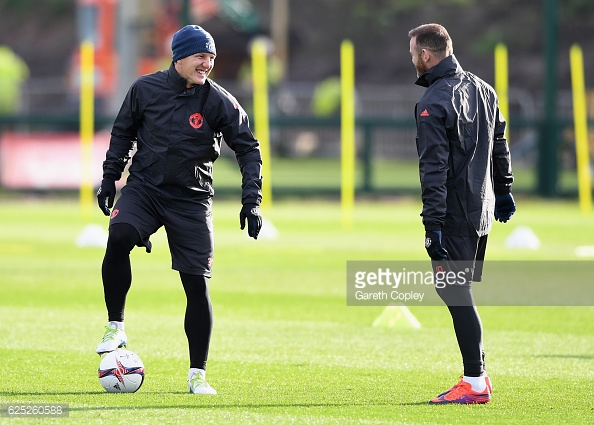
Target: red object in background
47, 161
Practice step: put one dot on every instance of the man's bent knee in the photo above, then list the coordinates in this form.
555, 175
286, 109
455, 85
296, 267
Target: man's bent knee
122, 236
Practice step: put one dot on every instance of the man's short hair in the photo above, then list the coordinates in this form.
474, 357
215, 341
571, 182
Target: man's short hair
433, 37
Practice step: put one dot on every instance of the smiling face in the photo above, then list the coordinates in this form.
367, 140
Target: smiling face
195, 68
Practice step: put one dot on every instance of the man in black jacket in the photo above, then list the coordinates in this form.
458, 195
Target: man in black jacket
177, 120
466, 178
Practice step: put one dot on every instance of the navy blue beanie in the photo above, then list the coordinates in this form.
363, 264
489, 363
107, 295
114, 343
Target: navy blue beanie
190, 40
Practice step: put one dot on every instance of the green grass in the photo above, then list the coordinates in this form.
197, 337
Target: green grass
285, 347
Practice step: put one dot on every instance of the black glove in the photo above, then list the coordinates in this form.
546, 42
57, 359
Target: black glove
433, 245
251, 212
106, 192
505, 207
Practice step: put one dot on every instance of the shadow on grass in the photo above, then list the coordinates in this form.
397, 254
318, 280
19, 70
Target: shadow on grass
565, 356
243, 406
75, 393
210, 402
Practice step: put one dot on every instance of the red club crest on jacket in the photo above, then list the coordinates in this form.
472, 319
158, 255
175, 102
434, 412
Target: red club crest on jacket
196, 120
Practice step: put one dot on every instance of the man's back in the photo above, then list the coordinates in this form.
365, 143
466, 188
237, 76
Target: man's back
458, 124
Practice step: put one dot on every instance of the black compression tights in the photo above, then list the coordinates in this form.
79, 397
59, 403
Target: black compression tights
116, 271
469, 333
198, 320
117, 279
468, 328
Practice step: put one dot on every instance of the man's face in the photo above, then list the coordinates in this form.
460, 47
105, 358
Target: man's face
196, 68
417, 58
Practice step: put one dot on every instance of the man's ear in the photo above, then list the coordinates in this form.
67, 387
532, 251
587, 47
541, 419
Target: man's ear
426, 55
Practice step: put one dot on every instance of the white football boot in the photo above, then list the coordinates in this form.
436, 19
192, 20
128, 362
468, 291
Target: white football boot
112, 339
197, 382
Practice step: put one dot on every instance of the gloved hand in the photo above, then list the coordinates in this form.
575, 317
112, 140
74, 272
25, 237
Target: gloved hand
251, 212
505, 207
106, 192
433, 245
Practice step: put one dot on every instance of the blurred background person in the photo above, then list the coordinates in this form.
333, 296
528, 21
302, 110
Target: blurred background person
13, 73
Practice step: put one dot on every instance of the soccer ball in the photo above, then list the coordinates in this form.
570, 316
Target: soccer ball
121, 371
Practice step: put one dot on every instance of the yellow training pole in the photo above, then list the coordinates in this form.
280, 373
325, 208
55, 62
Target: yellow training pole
501, 82
87, 67
347, 127
580, 120
261, 123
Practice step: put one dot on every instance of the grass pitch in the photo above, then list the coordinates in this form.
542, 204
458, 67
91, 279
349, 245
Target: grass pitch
285, 347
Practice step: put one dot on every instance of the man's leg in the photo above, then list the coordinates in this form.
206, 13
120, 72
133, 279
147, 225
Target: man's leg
191, 243
117, 279
198, 328
198, 318
462, 255
473, 388
469, 334
116, 271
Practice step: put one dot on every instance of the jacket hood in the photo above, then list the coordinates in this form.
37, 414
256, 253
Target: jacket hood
447, 66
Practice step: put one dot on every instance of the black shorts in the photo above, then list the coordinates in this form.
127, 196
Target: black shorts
188, 226
466, 251
454, 277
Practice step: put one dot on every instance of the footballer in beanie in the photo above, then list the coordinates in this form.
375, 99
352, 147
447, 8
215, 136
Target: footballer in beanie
193, 54
178, 119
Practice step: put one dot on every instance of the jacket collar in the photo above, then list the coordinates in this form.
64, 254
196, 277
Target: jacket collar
177, 83
175, 80
447, 66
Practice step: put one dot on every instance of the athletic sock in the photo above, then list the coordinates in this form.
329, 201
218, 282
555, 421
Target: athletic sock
193, 371
478, 383
116, 325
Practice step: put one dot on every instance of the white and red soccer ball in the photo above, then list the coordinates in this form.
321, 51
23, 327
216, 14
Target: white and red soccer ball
121, 371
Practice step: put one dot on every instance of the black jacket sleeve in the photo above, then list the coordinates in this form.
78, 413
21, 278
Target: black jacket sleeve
123, 135
502, 170
434, 150
233, 124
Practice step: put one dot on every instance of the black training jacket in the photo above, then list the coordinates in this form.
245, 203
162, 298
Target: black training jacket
463, 155
178, 133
